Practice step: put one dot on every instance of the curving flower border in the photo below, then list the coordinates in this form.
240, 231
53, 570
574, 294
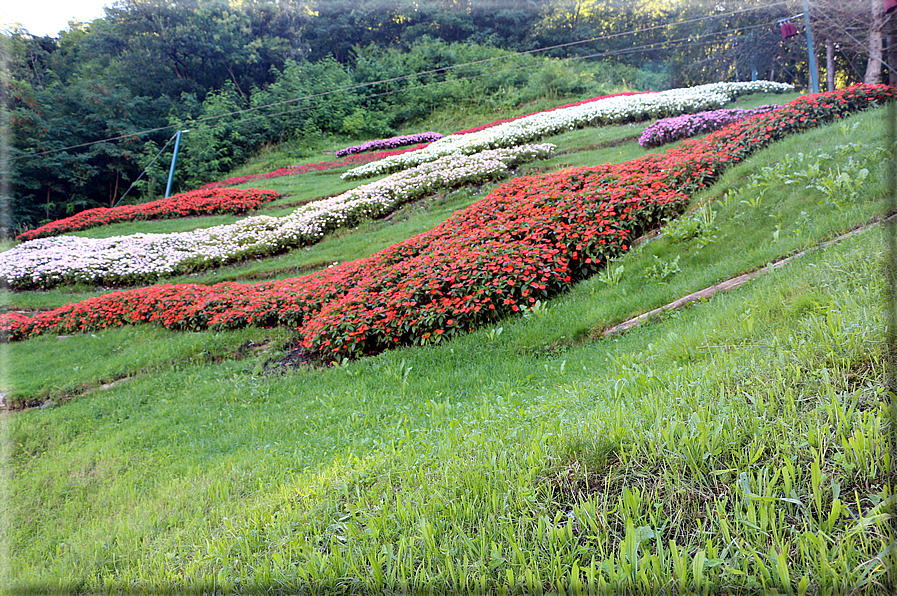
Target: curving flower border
614, 110
399, 141
137, 258
529, 239
196, 202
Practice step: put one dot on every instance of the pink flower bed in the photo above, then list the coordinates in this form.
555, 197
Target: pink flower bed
400, 141
676, 128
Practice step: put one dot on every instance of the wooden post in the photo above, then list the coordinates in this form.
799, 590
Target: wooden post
891, 50
830, 64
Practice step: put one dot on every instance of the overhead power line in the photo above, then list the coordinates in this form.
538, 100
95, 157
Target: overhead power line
858, 42
608, 53
442, 70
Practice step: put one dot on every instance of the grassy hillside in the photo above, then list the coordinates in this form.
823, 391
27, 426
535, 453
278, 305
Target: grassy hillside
740, 442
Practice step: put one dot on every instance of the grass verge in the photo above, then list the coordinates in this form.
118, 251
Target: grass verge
714, 447
739, 443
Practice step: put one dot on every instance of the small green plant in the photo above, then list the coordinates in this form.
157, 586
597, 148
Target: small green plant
755, 201
682, 229
611, 275
697, 226
537, 311
847, 129
842, 187
663, 268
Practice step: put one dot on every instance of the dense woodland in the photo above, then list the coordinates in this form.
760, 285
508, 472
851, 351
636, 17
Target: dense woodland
243, 74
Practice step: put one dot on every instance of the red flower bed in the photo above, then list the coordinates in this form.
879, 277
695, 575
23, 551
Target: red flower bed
527, 240
352, 160
196, 202
569, 105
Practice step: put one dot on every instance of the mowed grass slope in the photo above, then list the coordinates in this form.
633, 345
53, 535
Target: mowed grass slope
741, 442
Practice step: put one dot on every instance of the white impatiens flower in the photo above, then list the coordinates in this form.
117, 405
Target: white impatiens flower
138, 257
611, 110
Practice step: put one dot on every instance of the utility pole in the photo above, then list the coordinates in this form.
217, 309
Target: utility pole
753, 58
891, 51
811, 52
174, 161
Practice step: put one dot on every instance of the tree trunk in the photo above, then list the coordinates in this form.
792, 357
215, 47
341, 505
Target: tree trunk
873, 67
891, 28
236, 84
114, 191
830, 64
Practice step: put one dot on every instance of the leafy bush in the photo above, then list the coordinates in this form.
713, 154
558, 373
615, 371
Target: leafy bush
699, 224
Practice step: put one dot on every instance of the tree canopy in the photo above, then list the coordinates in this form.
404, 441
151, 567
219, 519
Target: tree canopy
374, 65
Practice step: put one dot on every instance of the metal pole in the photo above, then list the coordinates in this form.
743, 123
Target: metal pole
174, 161
811, 52
753, 58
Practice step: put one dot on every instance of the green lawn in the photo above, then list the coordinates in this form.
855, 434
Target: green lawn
742, 442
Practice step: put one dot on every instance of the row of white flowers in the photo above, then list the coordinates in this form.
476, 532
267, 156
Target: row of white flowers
612, 110
125, 259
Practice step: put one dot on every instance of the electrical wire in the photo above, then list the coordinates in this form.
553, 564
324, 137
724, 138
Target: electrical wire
858, 42
625, 51
164, 147
400, 78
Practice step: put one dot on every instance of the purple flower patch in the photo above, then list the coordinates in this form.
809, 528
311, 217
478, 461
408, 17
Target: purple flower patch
400, 141
681, 127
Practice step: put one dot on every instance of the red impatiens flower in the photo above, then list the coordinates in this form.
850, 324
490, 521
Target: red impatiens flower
197, 202
529, 239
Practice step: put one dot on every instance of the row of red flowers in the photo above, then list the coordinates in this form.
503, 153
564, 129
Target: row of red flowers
196, 202
352, 160
569, 105
527, 240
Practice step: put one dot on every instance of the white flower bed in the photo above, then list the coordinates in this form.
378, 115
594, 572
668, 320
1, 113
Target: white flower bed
125, 259
612, 110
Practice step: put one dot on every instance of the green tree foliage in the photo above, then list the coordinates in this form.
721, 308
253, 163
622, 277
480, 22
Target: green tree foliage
193, 46
48, 183
201, 64
218, 145
323, 110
